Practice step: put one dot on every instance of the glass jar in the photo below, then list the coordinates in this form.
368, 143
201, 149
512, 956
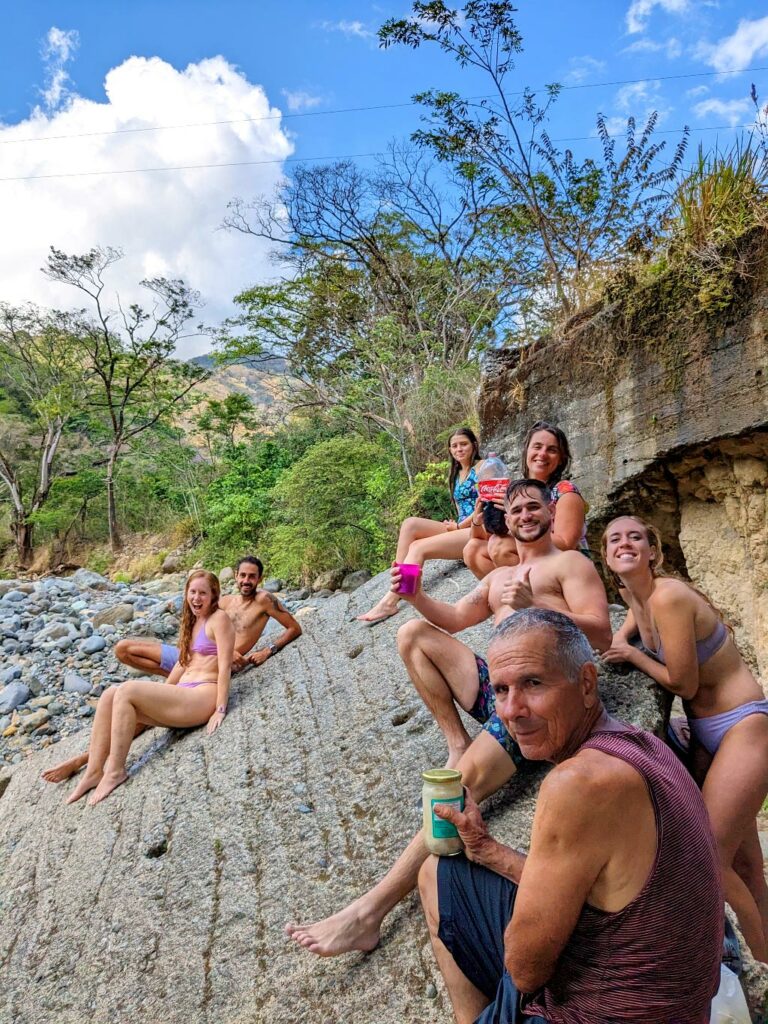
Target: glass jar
441, 786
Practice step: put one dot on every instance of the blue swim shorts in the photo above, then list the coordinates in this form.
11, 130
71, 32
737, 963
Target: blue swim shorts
484, 711
475, 906
169, 655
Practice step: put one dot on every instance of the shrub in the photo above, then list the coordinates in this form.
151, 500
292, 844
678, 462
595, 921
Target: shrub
430, 497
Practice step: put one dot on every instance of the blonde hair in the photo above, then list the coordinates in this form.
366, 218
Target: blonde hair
653, 537
188, 617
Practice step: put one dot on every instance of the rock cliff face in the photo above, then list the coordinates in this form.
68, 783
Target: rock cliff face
666, 408
167, 902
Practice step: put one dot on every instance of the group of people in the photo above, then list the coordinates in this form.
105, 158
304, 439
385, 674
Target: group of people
217, 637
616, 913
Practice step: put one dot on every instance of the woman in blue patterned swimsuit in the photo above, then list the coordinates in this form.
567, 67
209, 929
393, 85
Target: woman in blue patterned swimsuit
421, 539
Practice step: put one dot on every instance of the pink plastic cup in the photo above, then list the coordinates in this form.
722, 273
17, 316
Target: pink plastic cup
410, 575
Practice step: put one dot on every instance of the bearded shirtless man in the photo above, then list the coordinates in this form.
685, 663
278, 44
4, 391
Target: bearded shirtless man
445, 671
249, 610
565, 581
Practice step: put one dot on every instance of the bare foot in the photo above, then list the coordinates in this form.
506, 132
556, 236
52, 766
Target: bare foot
110, 781
344, 932
89, 781
65, 770
383, 610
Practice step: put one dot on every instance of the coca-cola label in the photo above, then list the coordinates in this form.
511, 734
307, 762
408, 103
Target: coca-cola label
492, 490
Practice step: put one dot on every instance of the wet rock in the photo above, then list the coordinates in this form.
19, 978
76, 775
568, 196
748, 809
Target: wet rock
12, 695
122, 612
353, 580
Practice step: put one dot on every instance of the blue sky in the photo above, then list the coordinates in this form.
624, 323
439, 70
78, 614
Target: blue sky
296, 57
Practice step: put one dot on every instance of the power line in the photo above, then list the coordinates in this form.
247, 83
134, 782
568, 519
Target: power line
312, 159
354, 110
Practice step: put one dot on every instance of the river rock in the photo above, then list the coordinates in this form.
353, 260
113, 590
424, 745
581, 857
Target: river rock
226, 574
111, 616
329, 580
91, 580
353, 580
55, 631
12, 695
171, 563
14, 596
73, 683
197, 910
9, 674
30, 722
93, 644
272, 586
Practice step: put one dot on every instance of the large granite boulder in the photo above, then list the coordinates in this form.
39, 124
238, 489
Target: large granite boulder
167, 902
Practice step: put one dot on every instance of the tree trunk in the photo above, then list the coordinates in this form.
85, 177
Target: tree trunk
22, 535
115, 542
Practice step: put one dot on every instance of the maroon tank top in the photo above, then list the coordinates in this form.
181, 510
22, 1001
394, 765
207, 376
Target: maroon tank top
658, 959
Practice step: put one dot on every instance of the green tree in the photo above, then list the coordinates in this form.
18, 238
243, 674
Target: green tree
127, 356
42, 381
565, 219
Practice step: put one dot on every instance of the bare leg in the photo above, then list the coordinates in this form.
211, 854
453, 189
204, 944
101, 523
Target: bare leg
468, 1002
734, 789
411, 530
485, 767
476, 558
142, 702
141, 654
749, 866
443, 670
99, 745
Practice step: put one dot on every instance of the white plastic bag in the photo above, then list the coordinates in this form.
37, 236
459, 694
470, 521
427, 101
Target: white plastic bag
729, 1005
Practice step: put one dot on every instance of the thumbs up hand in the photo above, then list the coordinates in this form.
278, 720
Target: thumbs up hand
518, 593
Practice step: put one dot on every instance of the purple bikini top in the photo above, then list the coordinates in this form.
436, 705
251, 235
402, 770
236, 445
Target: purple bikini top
202, 645
704, 648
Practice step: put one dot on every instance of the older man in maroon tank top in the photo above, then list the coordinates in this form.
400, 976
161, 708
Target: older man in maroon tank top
616, 913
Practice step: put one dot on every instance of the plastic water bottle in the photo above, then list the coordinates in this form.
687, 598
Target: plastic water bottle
492, 480
729, 1005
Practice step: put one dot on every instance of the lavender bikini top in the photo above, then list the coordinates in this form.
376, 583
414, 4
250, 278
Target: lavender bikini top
705, 648
202, 645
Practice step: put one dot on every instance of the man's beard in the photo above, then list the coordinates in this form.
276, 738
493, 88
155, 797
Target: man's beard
247, 591
544, 529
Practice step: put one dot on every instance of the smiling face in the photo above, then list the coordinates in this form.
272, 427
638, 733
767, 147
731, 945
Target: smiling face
542, 708
543, 456
462, 449
528, 516
199, 596
247, 578
628, 548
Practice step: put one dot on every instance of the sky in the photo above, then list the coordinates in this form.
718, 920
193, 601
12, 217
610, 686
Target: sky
106, 109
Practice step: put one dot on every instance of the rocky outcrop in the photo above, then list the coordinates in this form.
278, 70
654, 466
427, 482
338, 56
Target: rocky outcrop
167, 902
666, 407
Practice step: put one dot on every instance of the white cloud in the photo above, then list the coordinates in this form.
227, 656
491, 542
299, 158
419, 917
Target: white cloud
582, 68
697, 90
298, 100
58, 50
630, 97
351, 29
732, 111
738, 50
671, 48
640, 11
166, 222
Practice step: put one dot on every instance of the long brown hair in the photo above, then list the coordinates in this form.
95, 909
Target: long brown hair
188, 618
653, 537
455, 464
562, 443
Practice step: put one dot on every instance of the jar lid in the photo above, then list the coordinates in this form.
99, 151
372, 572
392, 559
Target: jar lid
441, 775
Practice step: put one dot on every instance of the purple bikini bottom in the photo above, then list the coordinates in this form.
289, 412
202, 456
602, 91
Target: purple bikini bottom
188, 686
710, 731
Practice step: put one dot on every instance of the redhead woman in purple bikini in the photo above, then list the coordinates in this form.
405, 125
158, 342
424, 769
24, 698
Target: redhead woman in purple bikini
198, 690
689, 651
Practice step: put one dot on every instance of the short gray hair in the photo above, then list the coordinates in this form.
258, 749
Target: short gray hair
571, 650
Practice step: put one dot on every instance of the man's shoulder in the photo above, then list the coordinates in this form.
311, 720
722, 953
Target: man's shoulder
592, 780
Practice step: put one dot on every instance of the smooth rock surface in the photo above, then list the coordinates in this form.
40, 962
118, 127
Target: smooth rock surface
166, 903
12, 695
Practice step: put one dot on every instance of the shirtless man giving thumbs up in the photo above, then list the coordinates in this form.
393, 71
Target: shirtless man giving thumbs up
445, 671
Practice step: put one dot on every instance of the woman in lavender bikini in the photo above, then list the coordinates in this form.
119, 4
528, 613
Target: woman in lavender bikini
197, 690
689, 651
